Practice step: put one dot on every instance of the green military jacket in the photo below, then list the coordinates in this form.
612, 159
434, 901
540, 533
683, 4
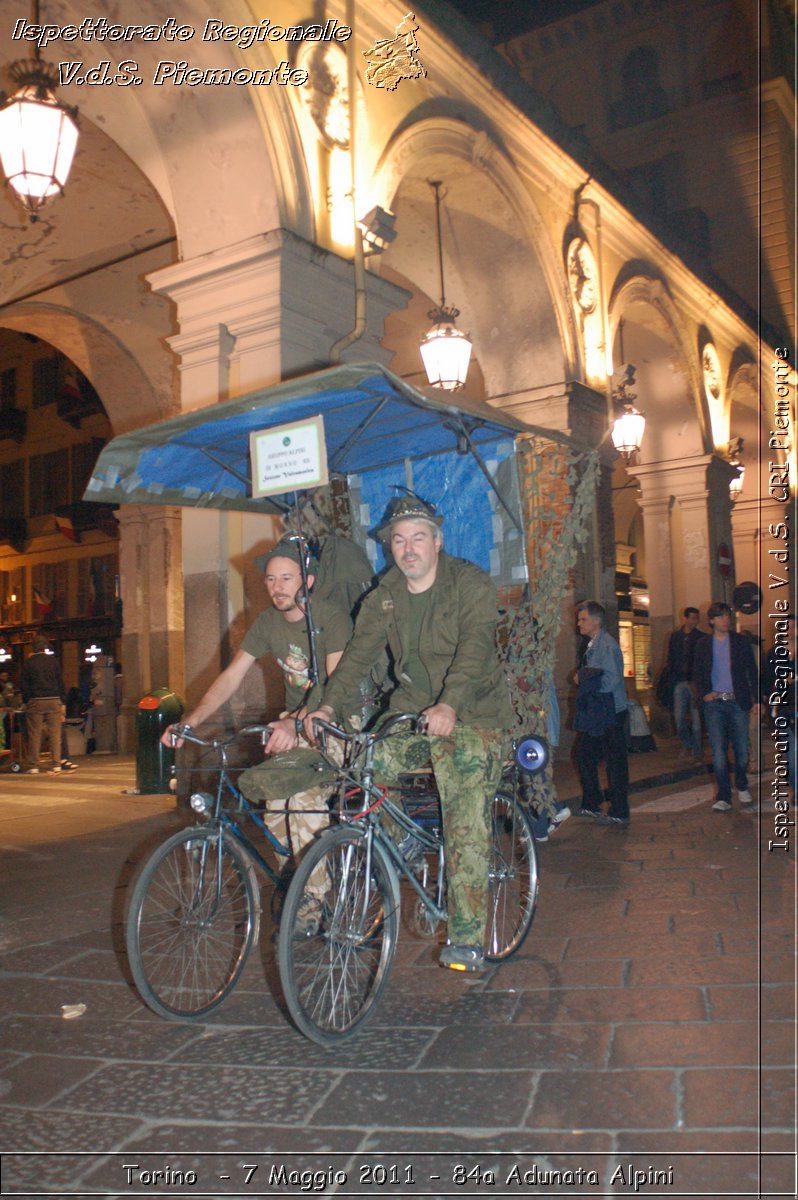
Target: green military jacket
456, 644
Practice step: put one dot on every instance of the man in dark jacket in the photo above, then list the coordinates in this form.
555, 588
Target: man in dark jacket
44, 697
726, 679
438, 617
681, 653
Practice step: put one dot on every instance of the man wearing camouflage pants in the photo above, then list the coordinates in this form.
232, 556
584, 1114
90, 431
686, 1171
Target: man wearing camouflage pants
288, 781
438, 616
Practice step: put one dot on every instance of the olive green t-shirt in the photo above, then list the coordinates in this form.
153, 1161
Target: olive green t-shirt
287, 641
414, 665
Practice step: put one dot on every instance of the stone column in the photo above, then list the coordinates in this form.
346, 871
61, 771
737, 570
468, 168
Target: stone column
152, 606
249, 315
686, 516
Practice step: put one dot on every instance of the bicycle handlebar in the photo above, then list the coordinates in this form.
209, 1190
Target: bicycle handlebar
186, 733
419, 719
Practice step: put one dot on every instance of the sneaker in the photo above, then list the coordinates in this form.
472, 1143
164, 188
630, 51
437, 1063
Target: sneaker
462, 958
609, 819
745, 797
32, 771
721, 806
540, 828
588, 812
66, 765
54, 771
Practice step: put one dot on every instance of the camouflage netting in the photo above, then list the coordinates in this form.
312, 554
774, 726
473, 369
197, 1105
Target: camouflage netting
558, 489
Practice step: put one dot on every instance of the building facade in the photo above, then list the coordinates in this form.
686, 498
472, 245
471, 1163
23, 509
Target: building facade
205, 247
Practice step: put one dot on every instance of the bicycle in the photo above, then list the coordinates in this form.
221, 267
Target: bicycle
340, 920
194, 913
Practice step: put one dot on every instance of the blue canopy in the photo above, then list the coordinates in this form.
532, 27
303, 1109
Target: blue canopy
381, 434
372, 419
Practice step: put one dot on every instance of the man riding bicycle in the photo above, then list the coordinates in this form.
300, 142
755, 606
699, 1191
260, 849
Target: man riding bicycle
287, 781
437, 615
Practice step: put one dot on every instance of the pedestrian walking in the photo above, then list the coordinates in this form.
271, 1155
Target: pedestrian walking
685, 705
44, 697
601, 719
727, 681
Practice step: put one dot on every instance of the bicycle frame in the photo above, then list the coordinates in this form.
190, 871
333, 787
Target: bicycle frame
217, 815
370, 813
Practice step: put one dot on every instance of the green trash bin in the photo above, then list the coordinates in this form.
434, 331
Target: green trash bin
154, 761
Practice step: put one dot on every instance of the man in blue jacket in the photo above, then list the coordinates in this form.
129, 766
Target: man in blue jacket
605, 734
726, 678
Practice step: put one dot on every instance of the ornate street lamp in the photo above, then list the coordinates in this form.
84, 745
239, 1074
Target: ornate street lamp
38, 134
627, 432
445, 350
629, 425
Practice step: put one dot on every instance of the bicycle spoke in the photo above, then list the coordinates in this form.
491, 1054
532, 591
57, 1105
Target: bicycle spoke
333, 974
512, 879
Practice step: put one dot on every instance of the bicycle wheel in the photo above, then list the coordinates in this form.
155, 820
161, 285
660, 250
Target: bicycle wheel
193, 918
513, 877
337, 935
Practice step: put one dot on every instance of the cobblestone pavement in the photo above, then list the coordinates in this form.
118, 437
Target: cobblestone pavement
642, 1042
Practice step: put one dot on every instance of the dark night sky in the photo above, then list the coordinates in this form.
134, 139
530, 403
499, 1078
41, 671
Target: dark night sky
509, 18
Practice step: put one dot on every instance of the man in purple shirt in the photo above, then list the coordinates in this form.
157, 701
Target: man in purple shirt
725, 675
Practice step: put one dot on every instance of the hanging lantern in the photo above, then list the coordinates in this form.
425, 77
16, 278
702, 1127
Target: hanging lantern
627, 431
38, 135
445, 351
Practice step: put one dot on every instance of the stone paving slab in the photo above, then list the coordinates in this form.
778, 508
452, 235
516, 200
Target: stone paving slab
617, 1005
201, 1093
403, 1048
425, 1099
96, 1038
533, 1047
773, 1001
609, 1100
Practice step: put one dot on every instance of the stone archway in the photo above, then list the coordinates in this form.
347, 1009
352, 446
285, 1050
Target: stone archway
683, 486
500, 267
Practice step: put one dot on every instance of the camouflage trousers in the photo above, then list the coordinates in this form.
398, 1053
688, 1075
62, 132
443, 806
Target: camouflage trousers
467, 767
294, 787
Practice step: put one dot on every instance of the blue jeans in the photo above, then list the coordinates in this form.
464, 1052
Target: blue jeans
610, 746
726, 724
686, 716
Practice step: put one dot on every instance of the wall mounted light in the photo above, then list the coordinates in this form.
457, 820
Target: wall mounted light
445, 350
38, 134
377, 229
735, 455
